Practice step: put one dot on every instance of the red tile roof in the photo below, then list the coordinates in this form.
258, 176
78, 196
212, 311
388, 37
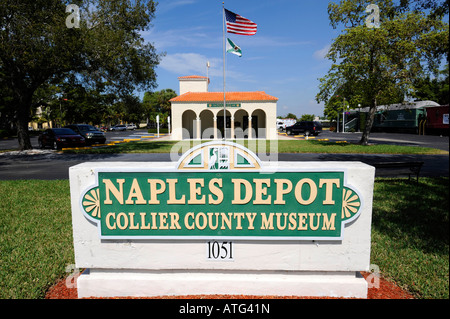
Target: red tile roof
192, 77
218, 97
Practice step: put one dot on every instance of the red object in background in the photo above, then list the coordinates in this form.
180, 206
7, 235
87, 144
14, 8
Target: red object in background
435, 117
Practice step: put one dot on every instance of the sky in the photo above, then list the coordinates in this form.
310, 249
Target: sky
285, 58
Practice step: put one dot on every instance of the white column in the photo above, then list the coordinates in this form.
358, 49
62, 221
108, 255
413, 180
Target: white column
198, 128
232, 127
215, 127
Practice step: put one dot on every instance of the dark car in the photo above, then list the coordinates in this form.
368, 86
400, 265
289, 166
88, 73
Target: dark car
58, 138
91, 134
305, 127
119, 127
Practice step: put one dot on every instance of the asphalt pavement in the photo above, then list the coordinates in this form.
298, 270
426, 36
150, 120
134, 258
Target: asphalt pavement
51, 165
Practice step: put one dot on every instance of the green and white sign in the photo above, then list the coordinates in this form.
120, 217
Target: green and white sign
220, 190
221, 105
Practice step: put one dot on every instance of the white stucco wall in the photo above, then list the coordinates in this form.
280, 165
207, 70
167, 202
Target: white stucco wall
265, 111
164, 267
193, 85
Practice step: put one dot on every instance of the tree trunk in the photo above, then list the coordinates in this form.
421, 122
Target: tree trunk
369, 122
22, 119
23, 136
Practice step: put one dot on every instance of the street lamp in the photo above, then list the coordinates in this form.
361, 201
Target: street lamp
359, 117
343, 117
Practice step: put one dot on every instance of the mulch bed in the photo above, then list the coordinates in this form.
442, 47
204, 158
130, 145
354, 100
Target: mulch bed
386, 290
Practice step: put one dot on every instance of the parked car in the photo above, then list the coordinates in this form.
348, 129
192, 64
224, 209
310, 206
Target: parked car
90, 133
119, 127
305, 127
131, 126
58, 138
283, 123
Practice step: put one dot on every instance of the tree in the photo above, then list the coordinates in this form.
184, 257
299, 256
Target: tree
334, 106
134, 110
435, 89
38, 47
307, 117
84, 104
291, 116
373, 66
158, 103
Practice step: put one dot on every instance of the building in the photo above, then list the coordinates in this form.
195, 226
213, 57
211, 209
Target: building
41, 119
199, 114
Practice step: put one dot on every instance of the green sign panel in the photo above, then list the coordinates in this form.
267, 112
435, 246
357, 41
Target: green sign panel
226, 105
240, 202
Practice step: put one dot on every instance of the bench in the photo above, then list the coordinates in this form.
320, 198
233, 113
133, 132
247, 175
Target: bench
404, 168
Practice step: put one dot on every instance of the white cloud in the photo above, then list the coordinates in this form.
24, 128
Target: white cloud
192, 37
182, 64
320, 54
166, 6
190, 64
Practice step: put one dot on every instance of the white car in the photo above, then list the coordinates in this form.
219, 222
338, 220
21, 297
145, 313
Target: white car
283, 123
280, 125
119, 127
131, 126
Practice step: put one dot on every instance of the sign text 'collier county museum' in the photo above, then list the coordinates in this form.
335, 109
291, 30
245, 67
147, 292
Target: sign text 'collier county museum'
221, 190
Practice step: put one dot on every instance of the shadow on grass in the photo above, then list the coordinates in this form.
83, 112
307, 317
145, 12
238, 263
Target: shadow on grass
418, 215
129, 147
334, 143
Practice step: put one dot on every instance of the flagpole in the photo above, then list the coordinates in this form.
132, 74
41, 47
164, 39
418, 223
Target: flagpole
224, 94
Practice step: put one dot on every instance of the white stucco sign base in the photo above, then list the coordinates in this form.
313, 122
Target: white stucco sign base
240, 227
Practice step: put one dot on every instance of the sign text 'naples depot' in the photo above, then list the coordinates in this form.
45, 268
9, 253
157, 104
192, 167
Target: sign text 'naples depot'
221, 190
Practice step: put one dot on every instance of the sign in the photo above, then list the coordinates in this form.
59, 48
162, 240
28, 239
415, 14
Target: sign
220, 221
157, 124
219, 190
226, 105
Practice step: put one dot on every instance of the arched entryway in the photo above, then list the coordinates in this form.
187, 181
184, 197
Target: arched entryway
189, 125
258, 123
207, 125
220, 124
240, 122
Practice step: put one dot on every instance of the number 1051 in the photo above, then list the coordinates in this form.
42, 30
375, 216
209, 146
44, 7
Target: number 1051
219, 250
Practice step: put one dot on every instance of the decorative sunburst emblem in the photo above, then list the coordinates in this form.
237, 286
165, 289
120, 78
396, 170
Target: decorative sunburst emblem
91, 203
350, 203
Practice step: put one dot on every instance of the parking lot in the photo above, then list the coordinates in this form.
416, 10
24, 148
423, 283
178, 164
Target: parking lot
49, 164
439, 142
111, 136
434, 141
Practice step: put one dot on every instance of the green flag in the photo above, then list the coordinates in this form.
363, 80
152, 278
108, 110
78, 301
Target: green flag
233, 48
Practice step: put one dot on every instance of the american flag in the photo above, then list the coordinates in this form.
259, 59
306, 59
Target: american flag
239, 25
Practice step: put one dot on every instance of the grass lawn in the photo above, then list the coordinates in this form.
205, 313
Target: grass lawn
35, 236
280, 146
410, 235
